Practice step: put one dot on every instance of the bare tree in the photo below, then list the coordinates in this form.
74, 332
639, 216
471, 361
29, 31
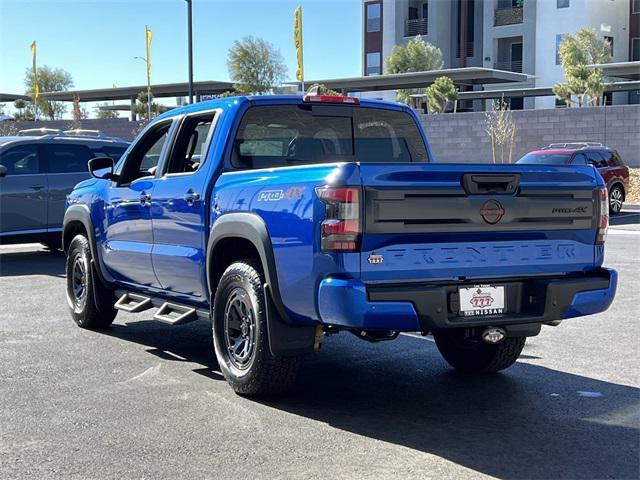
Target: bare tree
501, 128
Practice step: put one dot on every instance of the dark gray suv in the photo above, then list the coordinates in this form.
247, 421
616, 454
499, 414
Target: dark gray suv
36, 174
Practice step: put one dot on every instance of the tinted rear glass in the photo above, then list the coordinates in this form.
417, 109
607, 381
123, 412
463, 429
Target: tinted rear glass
545, 158
289, 135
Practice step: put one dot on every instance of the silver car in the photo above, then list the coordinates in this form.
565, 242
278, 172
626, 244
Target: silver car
36, 174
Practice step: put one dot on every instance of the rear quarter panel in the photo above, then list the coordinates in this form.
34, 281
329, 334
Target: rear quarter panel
286, 201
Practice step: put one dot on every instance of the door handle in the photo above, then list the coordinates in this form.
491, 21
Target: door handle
191, 197
37, 187
145, 199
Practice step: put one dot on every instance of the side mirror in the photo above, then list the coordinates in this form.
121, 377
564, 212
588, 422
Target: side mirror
102, 168
3, 171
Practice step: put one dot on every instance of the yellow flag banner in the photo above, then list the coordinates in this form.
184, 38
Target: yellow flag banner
36, 88
297, 40
149, 38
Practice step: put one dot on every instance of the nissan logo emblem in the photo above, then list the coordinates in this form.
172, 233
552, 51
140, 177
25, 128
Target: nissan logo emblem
492, 212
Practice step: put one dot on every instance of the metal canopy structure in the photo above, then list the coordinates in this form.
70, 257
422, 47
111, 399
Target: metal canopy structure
628, 70
11, 97
396, 81
534, 91
127, 93
126, 108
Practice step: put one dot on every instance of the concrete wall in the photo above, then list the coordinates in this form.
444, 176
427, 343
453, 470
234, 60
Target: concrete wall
460, 137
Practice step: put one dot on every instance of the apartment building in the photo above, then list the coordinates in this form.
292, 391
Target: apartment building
516, 35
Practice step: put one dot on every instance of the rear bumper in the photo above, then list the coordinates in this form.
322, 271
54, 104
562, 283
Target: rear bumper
428, 307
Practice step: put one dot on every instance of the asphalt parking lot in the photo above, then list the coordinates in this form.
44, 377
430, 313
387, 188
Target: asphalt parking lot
145, 400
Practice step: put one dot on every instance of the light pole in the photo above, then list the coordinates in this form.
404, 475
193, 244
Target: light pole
190, 41
148, 88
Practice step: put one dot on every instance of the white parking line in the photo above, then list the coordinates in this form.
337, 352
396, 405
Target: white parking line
620, 231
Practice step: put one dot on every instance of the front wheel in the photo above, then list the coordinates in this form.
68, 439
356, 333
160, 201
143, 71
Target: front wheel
90, 303
616, 199
240, 334
472, 355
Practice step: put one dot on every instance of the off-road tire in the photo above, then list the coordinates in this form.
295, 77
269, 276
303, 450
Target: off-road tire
472, 355
263, 374
93, 309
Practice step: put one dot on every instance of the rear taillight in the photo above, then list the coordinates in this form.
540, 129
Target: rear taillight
341, 229
603, 216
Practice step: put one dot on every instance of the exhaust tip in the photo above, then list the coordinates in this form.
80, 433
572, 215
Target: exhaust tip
494, 335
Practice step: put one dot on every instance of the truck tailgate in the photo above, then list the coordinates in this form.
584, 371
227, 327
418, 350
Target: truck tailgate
431, 222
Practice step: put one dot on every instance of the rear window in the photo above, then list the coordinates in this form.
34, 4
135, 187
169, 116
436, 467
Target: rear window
545, 159
289, 135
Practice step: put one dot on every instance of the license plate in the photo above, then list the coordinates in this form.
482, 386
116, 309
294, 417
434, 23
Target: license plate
481, 300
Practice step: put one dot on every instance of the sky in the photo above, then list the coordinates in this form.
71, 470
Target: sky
96, 40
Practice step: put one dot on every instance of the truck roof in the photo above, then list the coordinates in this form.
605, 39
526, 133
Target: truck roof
229, 102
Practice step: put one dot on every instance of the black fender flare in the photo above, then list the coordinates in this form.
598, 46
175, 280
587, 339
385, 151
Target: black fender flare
251, 227
80, 213
284, 338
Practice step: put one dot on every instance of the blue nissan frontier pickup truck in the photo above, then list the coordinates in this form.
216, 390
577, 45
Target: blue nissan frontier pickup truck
284, 218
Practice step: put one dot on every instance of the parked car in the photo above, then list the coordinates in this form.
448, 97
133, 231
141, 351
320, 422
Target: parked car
37, 172
605, 159
283, 218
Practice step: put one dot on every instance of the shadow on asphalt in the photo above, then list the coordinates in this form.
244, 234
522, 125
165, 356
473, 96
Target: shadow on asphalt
626, 217
38, 262
527, 422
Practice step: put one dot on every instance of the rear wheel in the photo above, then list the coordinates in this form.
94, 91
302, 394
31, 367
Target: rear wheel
616, 199
472, 355
90, 303
240, 334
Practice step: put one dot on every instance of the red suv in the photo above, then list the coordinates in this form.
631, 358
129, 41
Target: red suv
605, 159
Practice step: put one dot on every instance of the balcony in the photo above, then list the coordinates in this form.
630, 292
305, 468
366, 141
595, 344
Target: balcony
508, 16
509, 65
468, 52
415, 27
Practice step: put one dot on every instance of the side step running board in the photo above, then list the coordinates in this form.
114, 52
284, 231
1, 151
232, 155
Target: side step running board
133, 303
175, 314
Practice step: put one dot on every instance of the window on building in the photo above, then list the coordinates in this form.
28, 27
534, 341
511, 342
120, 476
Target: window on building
373, 17
608, 98
559, 38
635, 6
509, 4
374, 63
562, 3
560, 103
635, 49
609, 41
516, 103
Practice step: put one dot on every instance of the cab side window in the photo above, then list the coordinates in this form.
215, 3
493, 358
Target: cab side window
190, 149
21, 160
143, 160
68, 158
